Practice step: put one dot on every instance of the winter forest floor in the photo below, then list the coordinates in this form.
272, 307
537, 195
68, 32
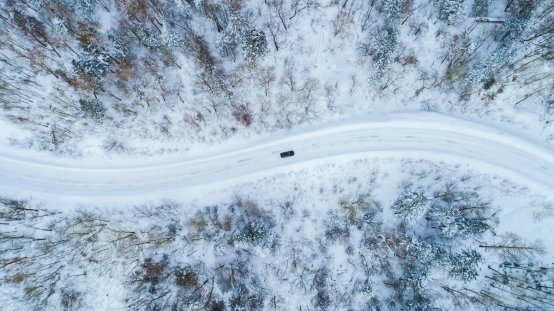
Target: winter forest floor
140, 169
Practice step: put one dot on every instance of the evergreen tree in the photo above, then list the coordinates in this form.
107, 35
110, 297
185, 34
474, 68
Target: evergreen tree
238, 33
254, 44
92, 108
464, 265
393, 9
382, 48
232, 37
480, 8
449, 9
410, 206
451, 220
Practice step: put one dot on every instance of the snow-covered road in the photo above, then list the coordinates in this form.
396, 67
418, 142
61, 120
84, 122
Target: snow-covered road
415, 135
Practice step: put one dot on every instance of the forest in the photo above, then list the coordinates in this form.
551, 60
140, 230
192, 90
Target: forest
117, 73
158, 85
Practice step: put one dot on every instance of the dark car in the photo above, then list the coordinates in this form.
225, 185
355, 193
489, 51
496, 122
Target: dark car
287, 154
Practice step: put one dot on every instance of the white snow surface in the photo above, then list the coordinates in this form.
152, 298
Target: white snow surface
128, 180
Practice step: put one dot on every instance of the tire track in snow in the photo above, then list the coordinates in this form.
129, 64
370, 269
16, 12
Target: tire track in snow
419, 135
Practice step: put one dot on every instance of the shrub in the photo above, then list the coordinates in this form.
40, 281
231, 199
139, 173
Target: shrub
252, 235
231, 38
480, 8
185, 278
336, 229
489, 83
243, 115
70, 300
322, 300
152, 271
92, 108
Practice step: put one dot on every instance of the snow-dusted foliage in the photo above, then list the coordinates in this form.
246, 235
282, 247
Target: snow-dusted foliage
410, 206
232, 36
254, 44
382, 48
92, 108
94, 77
463, 265
239, 33
480, 8
449, 10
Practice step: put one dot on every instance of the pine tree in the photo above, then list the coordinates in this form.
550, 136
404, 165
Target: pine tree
464, 265
232, 37
237, 34
410, 206
254, 44
382, 48
92, 108
508, 36
393, 9
456, 214
480, 8
449, 9
420, 251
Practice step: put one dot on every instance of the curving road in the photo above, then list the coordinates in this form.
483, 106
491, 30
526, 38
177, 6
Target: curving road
415, 135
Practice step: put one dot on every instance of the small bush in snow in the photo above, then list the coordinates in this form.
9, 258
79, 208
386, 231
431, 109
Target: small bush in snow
186, 278
92, 108
253, 235
336, 229
70, 300
153, 271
